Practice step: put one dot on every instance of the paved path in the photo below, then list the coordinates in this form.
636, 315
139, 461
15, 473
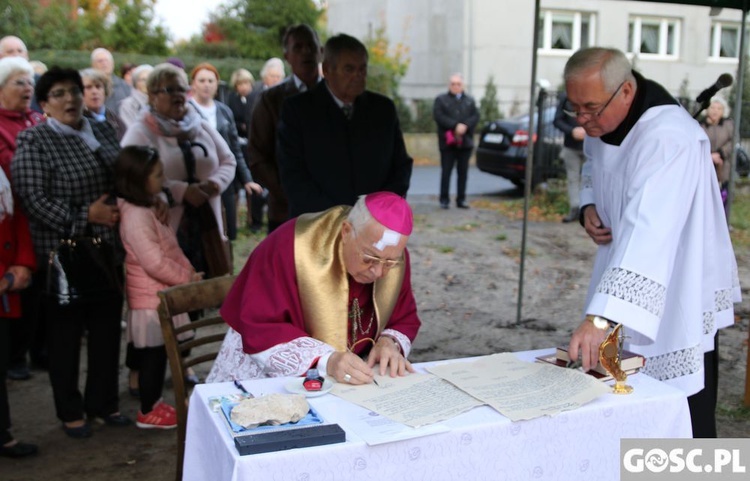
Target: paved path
425, 181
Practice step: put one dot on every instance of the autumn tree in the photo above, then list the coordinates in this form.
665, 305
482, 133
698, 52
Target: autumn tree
120, 25
42, 28
386, 65
251, 28
133, 30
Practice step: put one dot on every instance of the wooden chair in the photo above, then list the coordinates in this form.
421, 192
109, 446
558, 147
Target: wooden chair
204, 296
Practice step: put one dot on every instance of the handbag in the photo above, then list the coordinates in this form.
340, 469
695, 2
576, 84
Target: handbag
198, 233
451, 140
217, 251
82, 270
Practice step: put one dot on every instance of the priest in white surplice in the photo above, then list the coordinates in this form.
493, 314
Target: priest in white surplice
665, 266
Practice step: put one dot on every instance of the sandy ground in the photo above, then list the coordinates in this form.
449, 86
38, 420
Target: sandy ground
465, 278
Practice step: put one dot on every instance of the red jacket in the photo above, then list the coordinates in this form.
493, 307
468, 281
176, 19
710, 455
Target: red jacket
11, 123
16, 248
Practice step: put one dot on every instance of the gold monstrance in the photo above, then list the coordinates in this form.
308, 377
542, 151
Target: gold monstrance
609, 356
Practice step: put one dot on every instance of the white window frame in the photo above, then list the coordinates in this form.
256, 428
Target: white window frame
715, 48
663, 23
548, 17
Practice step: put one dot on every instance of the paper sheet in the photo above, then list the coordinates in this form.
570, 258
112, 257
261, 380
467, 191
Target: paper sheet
415, 400
375, 429
519, 389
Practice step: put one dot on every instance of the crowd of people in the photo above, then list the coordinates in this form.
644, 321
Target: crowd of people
139, 160
142, 163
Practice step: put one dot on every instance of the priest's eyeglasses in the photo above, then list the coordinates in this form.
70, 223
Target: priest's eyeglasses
597, 113
373, 260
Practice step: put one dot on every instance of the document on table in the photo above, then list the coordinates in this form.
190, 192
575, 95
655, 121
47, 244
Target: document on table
520, 389
415, 400
375, 429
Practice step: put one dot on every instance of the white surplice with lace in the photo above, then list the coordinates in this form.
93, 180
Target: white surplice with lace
669, 275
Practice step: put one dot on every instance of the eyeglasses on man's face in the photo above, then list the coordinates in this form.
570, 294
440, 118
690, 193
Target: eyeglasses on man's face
371, 261
592, 113
74, 92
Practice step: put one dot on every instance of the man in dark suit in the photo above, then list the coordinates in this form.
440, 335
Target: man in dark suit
456, 116
338, 141
302, 51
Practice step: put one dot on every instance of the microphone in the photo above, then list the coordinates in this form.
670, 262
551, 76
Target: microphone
724, 80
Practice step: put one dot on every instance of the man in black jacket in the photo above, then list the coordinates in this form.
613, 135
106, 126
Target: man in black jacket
456, 116
338, 141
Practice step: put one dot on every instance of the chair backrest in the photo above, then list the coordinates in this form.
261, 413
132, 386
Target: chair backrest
203, 297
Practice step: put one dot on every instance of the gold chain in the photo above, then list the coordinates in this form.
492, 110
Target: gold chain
355, 314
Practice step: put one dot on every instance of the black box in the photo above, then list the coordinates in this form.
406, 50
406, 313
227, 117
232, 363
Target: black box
289, 438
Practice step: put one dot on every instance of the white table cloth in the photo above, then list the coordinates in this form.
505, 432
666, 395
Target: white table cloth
583, 444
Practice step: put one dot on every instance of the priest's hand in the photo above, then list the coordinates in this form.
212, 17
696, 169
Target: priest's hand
594, 227
349, 368
387, 353
587, 338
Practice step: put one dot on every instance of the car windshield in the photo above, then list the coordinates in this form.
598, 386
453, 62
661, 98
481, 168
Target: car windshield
549, 116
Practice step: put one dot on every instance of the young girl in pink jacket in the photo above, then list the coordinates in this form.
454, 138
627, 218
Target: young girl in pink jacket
153, 262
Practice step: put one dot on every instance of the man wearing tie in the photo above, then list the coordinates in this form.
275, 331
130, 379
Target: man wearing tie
338, 141
302, 51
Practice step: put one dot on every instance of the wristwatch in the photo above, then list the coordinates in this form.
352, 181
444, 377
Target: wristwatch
599, 322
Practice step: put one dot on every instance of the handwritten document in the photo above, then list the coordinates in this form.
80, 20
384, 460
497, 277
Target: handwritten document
415, 400
522, 390
375, 429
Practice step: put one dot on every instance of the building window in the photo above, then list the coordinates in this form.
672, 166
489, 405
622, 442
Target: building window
725, 41
653, 37
565, 31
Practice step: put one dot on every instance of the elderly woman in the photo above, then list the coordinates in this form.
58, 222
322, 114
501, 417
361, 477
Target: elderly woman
185, 142
205, 82
63, 174
16, 93
720, 130
133, 106
97, 87
17, 260
241, 83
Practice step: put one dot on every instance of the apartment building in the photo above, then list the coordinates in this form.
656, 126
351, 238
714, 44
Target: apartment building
683, 47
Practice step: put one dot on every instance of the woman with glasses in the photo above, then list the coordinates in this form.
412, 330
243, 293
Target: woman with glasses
340, 299
16, 94
198, 163
63, 174
17, 260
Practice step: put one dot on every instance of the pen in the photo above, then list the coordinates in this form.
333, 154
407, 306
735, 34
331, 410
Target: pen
375, 382
239, 386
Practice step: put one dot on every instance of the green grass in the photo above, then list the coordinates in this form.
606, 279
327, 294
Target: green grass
740, 214
548, 204
740, 413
